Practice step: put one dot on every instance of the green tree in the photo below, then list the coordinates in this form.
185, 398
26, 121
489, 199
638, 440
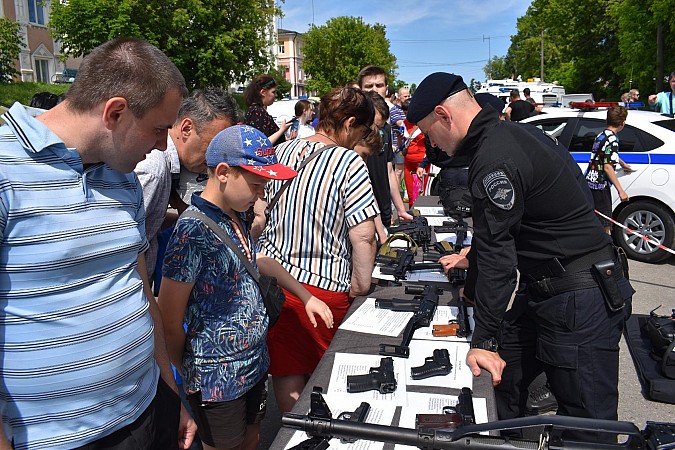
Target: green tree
10, 47
283, 85
212, 42
497, 68
337, 51
637, 35
581, 46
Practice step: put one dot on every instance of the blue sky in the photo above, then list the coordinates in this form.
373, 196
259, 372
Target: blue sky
426, 35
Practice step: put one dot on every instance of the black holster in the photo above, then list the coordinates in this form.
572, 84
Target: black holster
607, 274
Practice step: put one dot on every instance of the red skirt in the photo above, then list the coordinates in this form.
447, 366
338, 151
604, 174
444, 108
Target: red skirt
295, 346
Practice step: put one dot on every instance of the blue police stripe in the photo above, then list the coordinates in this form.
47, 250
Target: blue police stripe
633, 158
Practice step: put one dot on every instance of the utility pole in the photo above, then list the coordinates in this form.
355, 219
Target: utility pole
489, 52
660, 46
541, 56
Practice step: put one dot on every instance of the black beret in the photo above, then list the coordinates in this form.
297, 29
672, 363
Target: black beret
485, 98
431, 92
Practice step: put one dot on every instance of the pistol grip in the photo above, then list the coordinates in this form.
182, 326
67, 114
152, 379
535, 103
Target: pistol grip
362, 383
445, 330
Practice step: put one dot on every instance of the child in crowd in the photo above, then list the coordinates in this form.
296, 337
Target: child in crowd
601, 172
224, 355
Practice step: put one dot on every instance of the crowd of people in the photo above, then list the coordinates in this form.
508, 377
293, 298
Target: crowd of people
132, 184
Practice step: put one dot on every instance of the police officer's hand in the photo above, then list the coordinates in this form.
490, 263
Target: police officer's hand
454, 261
420, 173
490, 361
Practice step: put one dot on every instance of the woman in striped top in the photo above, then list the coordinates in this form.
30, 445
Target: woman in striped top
322, 231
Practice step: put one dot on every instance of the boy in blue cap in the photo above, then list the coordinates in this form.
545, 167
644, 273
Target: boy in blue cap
223, 355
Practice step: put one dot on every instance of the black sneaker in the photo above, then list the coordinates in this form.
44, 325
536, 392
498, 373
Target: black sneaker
540, 401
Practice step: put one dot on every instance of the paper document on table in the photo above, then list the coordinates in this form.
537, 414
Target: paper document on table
432, 275
379, 413
442, 316
430, 210
433, 404
437, 221
345, 364
371, 320
452, 237
460, 376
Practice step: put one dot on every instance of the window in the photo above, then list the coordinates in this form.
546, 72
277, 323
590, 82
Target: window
36, 13
42, 71
552, 127
282, 47
588, 129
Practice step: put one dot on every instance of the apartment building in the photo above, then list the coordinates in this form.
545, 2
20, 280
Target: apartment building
289, 58
40, 58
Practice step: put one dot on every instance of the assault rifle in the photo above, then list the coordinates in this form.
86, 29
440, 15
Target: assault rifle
457, 277
402, 263
428, 301
319, 409
418, 229
461, 327
656, 435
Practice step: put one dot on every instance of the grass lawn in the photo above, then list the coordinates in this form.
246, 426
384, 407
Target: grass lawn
23, 92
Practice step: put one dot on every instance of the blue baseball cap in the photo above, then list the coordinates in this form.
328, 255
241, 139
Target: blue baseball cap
246, 147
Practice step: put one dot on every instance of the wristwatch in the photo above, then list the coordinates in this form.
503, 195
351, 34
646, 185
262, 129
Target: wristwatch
488, 344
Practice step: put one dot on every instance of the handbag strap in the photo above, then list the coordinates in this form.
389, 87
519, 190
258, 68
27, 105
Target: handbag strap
196, 214
283, 187
416, 132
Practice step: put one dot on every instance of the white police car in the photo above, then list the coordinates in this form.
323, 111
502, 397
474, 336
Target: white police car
647, 143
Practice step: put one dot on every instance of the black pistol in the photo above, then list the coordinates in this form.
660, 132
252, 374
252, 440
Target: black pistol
436, 365
359, 415
379, 378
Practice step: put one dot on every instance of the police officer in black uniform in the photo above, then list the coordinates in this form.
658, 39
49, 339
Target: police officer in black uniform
550, 292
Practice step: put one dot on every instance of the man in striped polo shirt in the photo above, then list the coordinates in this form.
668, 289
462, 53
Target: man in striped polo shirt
82, 356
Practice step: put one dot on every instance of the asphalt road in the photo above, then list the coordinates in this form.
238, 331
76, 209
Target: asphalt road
654, 285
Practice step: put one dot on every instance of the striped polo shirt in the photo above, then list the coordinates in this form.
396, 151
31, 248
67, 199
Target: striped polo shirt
76, 352
307, 230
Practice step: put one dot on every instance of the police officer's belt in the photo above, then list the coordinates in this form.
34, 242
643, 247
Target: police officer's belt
556, 277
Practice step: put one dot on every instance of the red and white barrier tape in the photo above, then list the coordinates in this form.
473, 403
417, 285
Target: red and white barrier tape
641, 236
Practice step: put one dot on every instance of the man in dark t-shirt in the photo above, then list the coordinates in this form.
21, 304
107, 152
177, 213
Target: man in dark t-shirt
379, 176
518, 109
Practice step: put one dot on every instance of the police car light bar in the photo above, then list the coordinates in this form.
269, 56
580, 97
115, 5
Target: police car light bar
605, 104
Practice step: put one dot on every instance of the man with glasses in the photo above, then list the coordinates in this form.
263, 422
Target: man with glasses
537, 302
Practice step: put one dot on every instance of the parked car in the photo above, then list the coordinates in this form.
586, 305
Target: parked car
647, 143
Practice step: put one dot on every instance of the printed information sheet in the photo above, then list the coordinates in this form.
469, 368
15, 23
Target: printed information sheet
379, 413
433, 404
460, 376
371, 320
346, 364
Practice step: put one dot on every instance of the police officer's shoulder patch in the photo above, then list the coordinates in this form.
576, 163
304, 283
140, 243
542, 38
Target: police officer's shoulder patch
499, 189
